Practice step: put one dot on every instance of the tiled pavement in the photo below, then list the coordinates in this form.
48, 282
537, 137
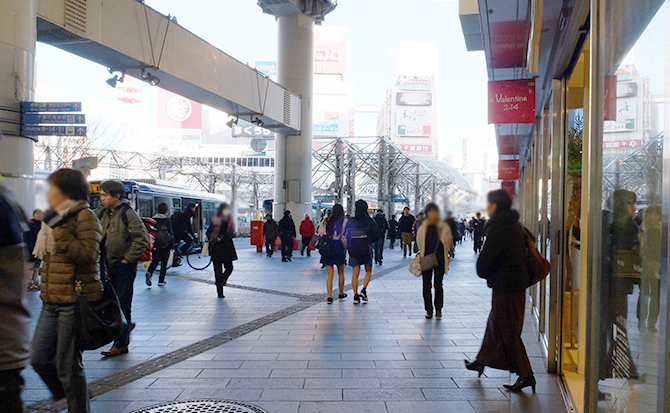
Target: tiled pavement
383, 356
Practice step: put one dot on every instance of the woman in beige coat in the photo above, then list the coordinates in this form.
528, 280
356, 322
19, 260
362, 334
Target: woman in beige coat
434, 237
69, 244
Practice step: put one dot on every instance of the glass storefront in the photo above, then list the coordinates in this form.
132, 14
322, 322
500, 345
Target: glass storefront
628, 206
595, 189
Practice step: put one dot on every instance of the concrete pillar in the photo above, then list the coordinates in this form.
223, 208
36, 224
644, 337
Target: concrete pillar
18, 36
295, 71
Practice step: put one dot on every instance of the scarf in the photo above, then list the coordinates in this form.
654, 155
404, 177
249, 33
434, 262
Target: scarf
45, 243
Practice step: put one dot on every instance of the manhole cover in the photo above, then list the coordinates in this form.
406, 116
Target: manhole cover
202, 406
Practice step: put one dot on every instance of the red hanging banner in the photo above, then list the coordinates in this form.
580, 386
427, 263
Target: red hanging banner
509, 186
512, 101
609, 108
508, 170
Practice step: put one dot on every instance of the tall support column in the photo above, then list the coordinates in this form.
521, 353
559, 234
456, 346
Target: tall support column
417, 190
339, 171
381, 182
351, 183
295, 71
18, 36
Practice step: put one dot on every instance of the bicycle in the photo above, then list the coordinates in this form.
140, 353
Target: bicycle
193, 255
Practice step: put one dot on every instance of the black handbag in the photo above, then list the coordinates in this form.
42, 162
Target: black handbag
325, 246
100, 322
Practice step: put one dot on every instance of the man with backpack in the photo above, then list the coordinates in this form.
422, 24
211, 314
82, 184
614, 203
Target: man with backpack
183, 231
270, 232
360, 233
163, 243
382, 226
124, 240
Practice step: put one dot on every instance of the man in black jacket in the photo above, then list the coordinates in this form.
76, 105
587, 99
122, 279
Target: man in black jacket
455, 235
270, 231
405, 227
287, 234
393, 230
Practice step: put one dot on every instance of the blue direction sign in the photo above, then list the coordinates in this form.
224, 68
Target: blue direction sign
54, 118
51, 106
29, 130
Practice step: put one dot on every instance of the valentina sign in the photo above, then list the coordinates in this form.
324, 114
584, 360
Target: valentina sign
512, 101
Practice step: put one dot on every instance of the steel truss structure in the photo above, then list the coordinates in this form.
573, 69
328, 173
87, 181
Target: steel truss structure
374, 168
371, 168
639, 172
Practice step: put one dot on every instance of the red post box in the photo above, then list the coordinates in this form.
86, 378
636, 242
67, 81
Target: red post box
257, 235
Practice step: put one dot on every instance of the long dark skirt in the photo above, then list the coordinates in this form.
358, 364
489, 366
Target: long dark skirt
502, 347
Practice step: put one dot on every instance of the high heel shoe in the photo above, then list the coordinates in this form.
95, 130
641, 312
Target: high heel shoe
521, 384
475, 366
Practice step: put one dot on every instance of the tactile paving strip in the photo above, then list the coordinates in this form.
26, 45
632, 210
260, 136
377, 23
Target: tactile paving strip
202, 406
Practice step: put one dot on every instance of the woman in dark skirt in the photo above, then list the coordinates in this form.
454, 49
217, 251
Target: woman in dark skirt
332, 227
503, 262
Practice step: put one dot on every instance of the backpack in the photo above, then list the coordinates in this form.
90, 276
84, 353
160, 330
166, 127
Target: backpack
358, 240
164, 240
176, 219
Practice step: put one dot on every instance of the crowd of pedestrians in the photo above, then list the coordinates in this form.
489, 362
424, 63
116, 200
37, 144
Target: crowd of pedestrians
76, 250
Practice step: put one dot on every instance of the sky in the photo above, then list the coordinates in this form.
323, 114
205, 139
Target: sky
374, 31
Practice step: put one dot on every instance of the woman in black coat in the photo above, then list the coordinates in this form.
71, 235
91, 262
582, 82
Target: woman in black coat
503, 262
221, 246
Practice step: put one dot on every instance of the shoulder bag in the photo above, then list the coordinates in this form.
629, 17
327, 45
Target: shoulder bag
538, 266
100, 322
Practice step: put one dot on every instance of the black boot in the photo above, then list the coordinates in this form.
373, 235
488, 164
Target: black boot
521, 384
475, 366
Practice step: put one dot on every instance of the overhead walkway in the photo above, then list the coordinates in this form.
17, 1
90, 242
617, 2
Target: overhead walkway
131, 38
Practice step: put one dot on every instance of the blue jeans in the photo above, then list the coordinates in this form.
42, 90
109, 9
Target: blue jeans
122, 277
57, 358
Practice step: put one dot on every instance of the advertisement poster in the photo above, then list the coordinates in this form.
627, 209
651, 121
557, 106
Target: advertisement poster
626, 114
508, 170
326, 122
415, 148
509, 145
611, 92
415, 83
414, 99
623, 144
413, 121
512, 101
330, 49
178, 119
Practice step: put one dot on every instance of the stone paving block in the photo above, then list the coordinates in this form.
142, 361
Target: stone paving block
307, 373
341, 364
311, 356
492, 406
418, 383
378, 373
464, 394
301, 395
344, 383
383, 394
342, 407
249, 395
282, 383
429, 407
290, 364
130, 395
234, 373
108, 406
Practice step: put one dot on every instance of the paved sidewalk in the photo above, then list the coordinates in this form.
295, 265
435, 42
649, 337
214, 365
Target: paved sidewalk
287, 350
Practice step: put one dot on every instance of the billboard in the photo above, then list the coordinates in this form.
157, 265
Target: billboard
267, 67
330, 49
414, 99
251, 131
415, 148
178, 119
415, 83
512, 101
623, 144
326, 122
413, 121
626, 114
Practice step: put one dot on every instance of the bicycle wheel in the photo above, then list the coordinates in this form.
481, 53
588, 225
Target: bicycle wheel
197, 261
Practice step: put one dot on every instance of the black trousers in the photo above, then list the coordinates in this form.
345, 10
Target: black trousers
159, 257
305, 244
11, 385
286, 247
122, 277
436, 274
392, 240
270, 245
222, 270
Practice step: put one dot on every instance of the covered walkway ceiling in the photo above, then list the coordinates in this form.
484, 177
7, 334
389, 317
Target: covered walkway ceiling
128, 36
